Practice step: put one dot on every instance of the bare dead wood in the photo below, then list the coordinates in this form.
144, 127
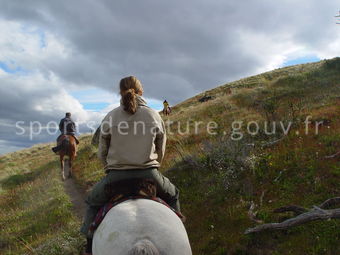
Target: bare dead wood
316, 213
291, 208
271, 143
330, 202
333, 156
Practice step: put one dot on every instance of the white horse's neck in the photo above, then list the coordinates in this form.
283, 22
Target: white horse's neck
141, 224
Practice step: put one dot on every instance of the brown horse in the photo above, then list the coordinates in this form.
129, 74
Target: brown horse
69, 148
167, 111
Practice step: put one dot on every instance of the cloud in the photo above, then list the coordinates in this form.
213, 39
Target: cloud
6, 147
56, 49
40, 100
192, 45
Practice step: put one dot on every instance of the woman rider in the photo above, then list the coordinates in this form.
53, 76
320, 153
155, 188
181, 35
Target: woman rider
131, 145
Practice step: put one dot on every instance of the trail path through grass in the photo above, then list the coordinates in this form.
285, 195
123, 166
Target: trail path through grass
77, 196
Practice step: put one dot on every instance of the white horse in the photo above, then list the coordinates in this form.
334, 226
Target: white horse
141, 227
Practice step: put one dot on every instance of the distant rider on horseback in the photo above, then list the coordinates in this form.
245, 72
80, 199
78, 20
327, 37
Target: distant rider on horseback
166, 108
66, 127
165, 104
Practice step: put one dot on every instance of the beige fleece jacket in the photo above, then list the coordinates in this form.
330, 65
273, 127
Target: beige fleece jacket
132, 141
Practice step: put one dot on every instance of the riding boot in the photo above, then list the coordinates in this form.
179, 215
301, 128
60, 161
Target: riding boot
88, 247
57, 148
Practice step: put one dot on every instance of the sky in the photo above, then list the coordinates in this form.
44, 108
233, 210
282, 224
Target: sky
69, 56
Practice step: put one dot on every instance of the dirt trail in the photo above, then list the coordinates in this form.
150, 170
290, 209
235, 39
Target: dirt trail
76, 195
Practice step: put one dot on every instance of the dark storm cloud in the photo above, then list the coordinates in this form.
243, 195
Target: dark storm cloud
175, 45
192, 43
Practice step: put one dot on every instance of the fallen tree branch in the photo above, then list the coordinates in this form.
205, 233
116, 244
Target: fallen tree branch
316, 213
291, 208
298, 209
330, 202
271, 143
333, 156
312, 215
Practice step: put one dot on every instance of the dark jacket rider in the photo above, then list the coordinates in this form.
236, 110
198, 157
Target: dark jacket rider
66, 127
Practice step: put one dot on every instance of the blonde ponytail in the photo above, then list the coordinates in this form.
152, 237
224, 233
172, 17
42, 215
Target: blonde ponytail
129, 88
130, 101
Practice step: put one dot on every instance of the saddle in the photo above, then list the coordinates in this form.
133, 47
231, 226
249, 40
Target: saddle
130, 187
120, 191
63, 141
62, 137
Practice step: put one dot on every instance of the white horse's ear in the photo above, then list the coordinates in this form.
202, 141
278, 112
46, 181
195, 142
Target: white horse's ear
144, 247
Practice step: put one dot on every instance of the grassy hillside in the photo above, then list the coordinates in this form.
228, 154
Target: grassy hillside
219, 177
36, 215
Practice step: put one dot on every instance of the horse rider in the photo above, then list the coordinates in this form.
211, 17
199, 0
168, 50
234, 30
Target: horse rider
66, 127
131, 145
165, 105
